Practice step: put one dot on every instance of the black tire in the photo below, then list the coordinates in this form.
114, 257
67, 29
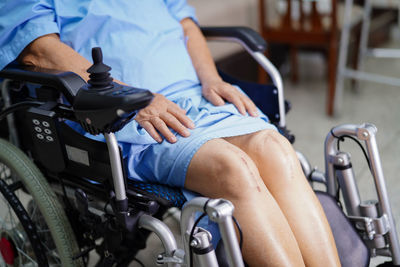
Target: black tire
40, 206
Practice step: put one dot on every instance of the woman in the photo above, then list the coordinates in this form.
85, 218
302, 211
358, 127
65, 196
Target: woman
198, 131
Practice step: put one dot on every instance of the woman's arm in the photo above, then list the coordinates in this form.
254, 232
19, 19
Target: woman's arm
49, 52
214, 89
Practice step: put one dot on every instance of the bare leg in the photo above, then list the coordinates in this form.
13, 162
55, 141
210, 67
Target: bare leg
281, 172
222, 170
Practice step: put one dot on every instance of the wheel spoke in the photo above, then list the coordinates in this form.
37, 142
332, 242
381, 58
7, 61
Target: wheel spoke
51, 253
26, 255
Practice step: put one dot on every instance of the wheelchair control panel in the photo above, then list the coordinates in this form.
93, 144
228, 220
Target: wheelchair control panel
103, 106
43, 124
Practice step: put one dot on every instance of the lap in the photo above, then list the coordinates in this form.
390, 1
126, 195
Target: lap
168, 163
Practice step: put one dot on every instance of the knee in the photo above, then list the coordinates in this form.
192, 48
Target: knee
234, 173
269, 141
271, 147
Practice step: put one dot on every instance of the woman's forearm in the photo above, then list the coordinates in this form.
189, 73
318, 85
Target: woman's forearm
49, 52
199, 52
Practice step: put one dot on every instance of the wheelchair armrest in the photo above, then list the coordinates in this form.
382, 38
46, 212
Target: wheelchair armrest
68, 83
255, 46
244, 35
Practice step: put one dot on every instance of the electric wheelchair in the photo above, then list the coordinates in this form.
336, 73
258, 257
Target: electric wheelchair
64, 195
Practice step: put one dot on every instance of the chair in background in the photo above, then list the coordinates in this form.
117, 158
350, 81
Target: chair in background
366, 49
299, 23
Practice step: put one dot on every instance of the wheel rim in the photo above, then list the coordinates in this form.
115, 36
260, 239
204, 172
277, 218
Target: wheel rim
22, 227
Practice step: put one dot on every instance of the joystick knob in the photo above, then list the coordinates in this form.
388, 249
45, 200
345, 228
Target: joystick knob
99, 78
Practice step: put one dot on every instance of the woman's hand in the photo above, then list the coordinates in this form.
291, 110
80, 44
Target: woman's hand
160, 114
217, 91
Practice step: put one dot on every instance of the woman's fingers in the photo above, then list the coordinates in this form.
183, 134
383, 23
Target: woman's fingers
234, 97
160, 125
151, 130
250, 106
161, 114
241, 101
180, 114
175, 124
214, 98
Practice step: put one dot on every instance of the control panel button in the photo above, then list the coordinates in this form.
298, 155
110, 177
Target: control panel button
49, 138
47, 131
36, 122
38, 129
45, 124
40, 136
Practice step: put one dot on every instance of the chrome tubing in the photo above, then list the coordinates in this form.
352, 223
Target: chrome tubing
268, 67
164, 234
219, 211
206, 255
331, 151
348, 184
116, 166
276, 79
365, 132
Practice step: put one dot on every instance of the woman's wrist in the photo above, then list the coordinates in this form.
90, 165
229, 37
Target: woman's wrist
210, 79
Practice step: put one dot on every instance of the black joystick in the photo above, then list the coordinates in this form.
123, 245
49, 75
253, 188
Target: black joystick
99, 78
103, 106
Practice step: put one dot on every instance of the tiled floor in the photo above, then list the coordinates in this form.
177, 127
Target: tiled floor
373, 103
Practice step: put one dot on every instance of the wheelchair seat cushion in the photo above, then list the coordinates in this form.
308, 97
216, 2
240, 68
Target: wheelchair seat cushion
166, 195
352, 250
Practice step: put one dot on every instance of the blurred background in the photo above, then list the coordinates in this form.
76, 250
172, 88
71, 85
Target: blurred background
304, 43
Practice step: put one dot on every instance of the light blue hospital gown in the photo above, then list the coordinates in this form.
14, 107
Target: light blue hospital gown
143, 42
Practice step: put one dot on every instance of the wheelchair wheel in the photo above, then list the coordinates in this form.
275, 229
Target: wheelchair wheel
34, 230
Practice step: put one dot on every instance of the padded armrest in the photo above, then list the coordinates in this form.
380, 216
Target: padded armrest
247, 36
68, 83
